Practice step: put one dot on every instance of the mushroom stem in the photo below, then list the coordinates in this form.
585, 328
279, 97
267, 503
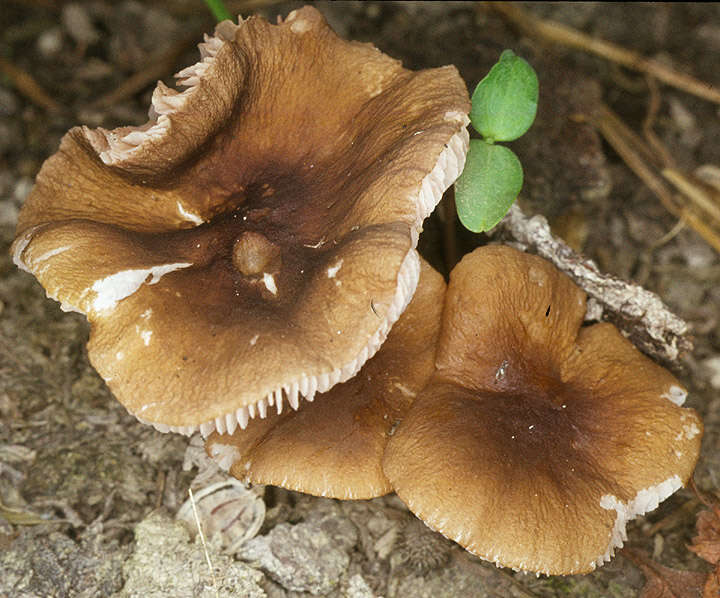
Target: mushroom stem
253, 254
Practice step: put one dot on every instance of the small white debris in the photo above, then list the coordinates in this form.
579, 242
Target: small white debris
120, 285
405, 390
189, 216
254, 339
691, 431
224, 455
269, 281
332, 271
502, 370
676, 395
145, 336
537, 276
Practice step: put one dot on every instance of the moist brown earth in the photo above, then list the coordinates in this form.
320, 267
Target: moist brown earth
87, 494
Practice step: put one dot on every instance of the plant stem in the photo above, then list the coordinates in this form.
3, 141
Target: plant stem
217, 7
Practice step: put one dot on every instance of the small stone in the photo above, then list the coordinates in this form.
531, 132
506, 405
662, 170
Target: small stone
78, 24
166, 563
358, 588
40, 562
22, 188
301, 558
712, 366
8, 102
50, 42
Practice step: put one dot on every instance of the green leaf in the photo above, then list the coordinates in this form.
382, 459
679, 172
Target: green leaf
505, 101
488, 186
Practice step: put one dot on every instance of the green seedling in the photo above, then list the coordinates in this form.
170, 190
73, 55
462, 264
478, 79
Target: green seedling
504, 105
218, 9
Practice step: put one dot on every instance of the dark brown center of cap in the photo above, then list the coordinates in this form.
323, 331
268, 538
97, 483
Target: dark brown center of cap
254, 255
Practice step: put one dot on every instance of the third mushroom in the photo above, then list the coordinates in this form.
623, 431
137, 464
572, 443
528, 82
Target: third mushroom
537, 439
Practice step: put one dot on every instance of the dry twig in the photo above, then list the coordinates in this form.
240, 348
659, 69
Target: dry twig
567, 36
202, 541
649, 122
653, 326
27, 86
695, 204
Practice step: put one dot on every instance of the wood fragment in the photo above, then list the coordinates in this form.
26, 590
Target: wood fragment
635, 154
567, 36
650, 323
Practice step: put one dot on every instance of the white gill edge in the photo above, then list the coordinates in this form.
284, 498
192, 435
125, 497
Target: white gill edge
645, 500
20, 248
447, 169
309, 384
119, 144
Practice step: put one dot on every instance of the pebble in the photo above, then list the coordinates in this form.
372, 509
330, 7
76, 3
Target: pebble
78, 24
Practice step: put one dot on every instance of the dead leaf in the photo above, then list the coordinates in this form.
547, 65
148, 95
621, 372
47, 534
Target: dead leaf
712, 585
707, 542
665, 582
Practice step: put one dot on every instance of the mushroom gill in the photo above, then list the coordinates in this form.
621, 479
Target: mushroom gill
334, 446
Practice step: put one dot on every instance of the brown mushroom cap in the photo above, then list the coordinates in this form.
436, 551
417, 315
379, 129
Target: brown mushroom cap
536, 440
254, 241
333, 446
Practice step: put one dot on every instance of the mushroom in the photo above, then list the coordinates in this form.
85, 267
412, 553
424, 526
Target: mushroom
537, 439
254, 241
333, 447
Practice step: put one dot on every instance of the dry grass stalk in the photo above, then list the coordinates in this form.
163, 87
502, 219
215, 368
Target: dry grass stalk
695, 203
28, 86
561, 34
